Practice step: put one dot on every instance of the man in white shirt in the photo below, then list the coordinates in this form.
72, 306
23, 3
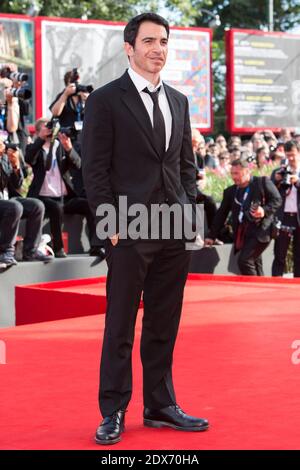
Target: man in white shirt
287, 180
51, 161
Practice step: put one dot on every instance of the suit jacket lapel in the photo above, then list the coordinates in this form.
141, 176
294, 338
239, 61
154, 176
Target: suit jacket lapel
134, 103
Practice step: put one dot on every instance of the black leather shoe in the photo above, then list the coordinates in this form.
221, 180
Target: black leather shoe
60, 253
97, 251
173, 417
111, 428
37, 256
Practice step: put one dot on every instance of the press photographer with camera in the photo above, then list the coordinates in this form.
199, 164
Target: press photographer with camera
13, 208
14, 104
252, 202
287, 180
69, 105
52, 156
9, 108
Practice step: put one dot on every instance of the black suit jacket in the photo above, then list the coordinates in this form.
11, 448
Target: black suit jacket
36, 157
119, 156
269, 198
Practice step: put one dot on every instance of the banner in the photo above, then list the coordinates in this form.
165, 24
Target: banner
96, 49
263, 80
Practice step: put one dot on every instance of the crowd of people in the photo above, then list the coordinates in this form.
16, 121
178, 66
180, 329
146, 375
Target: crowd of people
54, 156
264, 201
56, 186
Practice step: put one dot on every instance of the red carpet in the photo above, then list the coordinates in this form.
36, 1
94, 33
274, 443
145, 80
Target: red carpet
232, 365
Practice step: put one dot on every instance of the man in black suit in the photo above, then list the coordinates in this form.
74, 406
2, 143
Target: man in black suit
253, 202
137, 143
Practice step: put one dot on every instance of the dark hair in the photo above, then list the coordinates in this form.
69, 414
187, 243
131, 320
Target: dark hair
290, 145
240, 162
67, 77
132, 28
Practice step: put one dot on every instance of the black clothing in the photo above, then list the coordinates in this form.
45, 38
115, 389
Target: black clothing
121, 157
257, 233
290, 232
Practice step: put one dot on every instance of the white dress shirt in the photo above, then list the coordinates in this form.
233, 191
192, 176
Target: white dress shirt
141, 83
53, 184
291, 201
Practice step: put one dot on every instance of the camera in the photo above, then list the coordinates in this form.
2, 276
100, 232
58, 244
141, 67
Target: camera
5, 72
10, 145
55, 127
53, 123
251, 158
79, 88
286, 173
69, 131
23, 93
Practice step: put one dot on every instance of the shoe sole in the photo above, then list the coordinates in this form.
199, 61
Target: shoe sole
107, 443
163, 424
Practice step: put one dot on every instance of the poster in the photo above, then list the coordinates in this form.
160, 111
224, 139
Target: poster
263, 80
97, 50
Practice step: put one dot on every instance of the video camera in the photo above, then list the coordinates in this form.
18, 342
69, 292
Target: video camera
286, 173
55, 127
23, 93
84, 88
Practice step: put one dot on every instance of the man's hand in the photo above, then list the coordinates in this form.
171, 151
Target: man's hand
65, 142
8, 96
208, 242
70, 90
114, 239
6, 82
14, 158
257, 213
294, 179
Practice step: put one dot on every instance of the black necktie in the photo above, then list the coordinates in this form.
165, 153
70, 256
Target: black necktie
158, 122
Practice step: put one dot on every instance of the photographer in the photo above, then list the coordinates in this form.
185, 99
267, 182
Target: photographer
14, 96
51, 159
9, 108
69, 105
252, 203
12, 209
286, 178
68, 108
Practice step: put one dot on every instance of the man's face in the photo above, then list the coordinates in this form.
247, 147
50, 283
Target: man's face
2, 147
149, 54
240, 176
202, 149
293, 157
